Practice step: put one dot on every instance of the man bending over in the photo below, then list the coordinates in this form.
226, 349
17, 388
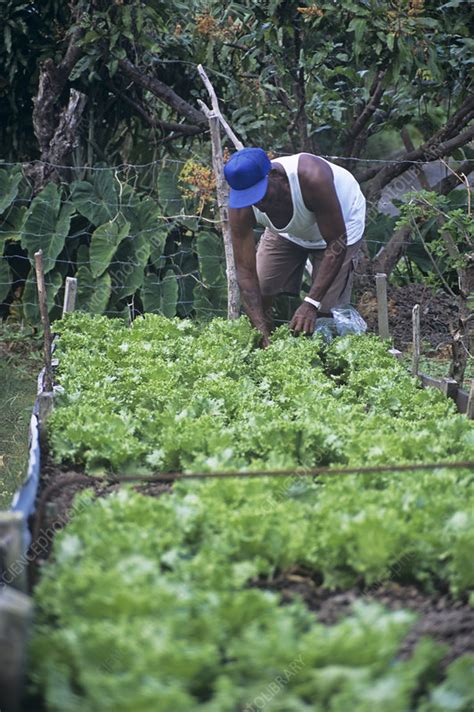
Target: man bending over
309, 208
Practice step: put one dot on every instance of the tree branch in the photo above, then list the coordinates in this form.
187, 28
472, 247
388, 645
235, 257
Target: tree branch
448, 183
428, 152
360, 122
164, 92
409, 146
184, 129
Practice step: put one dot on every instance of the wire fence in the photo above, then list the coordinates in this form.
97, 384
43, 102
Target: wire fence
160, 161
185, 263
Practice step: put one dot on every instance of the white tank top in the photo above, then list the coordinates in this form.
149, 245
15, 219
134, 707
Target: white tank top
303, 228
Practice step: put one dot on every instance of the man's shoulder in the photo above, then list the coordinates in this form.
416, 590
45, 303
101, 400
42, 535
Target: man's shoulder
313, 168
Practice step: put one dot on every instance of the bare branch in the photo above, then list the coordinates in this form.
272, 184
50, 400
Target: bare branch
139, 108
164, 92
430, 152
447, 184
216, 109
361, 121
408, 143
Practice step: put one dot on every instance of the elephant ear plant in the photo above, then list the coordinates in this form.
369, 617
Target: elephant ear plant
124, 246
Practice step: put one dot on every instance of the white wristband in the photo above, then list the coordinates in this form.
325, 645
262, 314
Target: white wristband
314, 302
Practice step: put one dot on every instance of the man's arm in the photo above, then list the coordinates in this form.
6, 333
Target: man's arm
319, 195
242, 222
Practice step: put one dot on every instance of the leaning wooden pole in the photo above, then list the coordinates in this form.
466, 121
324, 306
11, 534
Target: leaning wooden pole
43, 306
215, 119
416, 350
382, 306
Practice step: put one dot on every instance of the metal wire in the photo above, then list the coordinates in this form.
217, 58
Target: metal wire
295, 472
158, 161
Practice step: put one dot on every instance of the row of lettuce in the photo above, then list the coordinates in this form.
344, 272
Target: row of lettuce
152, 601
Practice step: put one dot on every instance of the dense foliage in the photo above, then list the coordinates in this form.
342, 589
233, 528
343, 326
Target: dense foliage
123, 245
169, 395
292, 75
92, 84
153, 599
136, 614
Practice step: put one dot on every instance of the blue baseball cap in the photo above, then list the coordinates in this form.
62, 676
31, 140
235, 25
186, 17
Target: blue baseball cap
247, 174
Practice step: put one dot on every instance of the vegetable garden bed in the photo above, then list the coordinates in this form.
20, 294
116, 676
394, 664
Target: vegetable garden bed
175, 602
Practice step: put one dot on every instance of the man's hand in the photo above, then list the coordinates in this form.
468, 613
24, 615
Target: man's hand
304, 319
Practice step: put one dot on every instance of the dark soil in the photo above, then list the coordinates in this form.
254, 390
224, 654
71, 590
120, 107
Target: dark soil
438, 312
59, 485
440, 617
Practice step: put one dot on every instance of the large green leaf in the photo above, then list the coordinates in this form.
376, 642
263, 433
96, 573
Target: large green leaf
168, 191
105, 240
92, 294
210, 250
128, 268
96, 200
169, 294
157, 243
12, 221
160, 296
147, 239
9, 182
209, 302
210, 295
151, 293
46, 225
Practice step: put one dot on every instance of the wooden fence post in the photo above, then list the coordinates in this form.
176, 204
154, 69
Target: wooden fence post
415, 361
470, 402
382, 306
48, 377
15, 621
70, 293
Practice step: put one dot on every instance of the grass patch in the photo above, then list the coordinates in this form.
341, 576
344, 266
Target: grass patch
438, 367
20, 361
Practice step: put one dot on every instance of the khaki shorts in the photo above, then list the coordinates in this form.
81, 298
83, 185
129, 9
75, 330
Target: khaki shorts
281, 263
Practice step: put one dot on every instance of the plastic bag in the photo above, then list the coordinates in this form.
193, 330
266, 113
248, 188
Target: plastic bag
326, 326
348, 320
345, 320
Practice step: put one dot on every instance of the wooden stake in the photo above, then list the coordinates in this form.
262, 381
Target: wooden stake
470, 402
215, 118
70, 293
415, 318
233, 295
215, 108
14, 566
15, 622
48, 377
382, 306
